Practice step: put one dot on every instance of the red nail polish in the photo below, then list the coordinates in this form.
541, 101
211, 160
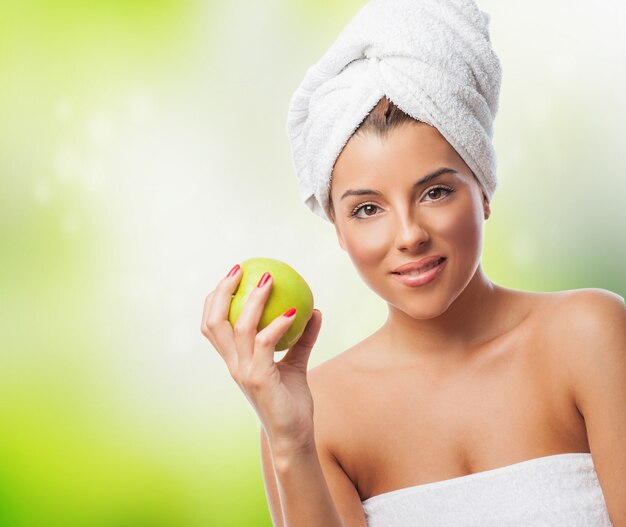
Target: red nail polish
264, 279
290, 312
233, 271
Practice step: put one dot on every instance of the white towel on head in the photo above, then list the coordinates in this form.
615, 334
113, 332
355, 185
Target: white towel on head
432, 58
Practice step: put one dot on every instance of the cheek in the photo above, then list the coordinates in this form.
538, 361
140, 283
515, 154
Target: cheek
366, 246
462, 230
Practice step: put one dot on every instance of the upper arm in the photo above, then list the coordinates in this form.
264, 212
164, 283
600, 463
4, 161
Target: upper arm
344, 494
597, 365
343, 491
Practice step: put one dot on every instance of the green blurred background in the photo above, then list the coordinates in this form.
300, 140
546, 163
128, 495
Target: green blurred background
143, 152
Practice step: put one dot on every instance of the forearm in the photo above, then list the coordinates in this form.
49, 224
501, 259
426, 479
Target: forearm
304, 495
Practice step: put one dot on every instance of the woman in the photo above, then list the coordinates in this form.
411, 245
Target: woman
473, 404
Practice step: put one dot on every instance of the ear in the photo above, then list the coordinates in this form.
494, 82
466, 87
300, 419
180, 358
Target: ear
486, 208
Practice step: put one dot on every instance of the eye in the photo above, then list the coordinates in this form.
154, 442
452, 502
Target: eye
368, 208
438, 193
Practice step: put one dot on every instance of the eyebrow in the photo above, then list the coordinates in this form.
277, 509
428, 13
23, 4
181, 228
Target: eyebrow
418, 183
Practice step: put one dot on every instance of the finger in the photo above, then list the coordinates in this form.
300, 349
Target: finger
217, 320
205, 313
206, 329
215, 324
245, 329
298, 355
224, 294
266, 340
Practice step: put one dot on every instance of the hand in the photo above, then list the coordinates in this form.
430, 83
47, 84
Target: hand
278, 391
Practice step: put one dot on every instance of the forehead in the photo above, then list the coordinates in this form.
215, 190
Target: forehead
413, 149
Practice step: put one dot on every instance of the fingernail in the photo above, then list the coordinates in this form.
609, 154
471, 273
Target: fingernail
290, 312
264, 279
233, 271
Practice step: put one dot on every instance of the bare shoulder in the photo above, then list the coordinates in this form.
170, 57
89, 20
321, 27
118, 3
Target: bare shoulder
580, 313
584, 330
591, 324
570, 326
342, 367
331, 376
596, 306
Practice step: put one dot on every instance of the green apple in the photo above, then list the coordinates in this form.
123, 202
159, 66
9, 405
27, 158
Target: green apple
289, 289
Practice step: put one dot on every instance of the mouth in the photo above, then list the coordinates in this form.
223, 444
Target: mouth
421, 276
421, 270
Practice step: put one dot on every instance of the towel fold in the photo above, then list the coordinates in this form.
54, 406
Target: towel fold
432, 58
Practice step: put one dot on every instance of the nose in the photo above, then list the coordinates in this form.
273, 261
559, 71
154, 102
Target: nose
410, 233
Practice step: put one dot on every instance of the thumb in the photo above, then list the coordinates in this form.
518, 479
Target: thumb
299, 353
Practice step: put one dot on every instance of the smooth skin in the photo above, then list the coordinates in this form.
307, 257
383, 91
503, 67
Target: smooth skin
464, 376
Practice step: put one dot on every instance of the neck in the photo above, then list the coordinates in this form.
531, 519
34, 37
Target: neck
449, 338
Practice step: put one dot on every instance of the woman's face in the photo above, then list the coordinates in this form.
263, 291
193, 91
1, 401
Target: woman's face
384, 220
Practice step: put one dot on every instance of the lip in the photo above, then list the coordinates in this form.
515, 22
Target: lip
414, 266
422, 278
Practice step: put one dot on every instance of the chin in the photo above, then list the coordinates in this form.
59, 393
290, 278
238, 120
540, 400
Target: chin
427, 312
423, 309
421, 303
